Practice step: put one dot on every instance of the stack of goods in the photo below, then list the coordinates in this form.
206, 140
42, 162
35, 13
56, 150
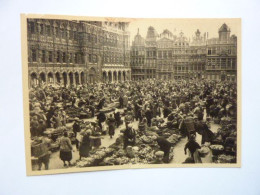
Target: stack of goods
132, 155
228, 130
95, 158
146, 139
56, 133
226, 159
217, 149
174, 138
74, 112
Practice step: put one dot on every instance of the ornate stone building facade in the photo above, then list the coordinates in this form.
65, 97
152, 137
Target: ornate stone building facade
168, 56
222, 56
77, 52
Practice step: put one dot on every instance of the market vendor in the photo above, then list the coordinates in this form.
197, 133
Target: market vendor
111, 125
44, 158
165, 146
117, 117
34, 125
56, 120
101, 118
129, 136
65, 149
193, 147
76, 130
85, 145
128, 118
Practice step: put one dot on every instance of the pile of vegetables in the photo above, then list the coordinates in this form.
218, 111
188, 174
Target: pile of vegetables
174, 138
226, 159
95, 157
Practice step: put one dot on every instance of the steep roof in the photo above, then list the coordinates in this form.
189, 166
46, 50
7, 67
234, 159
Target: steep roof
224, 28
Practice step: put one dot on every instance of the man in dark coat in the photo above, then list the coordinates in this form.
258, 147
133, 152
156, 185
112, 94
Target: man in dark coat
149, 116
121, 102
207, 134
76, 130
117, 118
192, 145
129, 136
101, 118
165, 146
111, 125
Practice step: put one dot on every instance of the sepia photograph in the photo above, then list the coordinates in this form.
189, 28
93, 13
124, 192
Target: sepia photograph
120, 93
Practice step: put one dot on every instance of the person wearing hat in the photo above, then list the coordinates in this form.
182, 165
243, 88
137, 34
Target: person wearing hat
117, 117
129, 136
165, 146
44, 158
111, 125
128, 118
34, 125
41, 127
76, 129
101, 118
65, 149
85, 145
56, 120
149, 116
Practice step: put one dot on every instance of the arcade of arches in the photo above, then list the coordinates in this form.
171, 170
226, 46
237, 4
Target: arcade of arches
77, 78
58, 78
110, 76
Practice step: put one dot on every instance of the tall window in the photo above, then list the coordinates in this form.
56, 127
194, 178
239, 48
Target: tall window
75, 35
58, 57
164, 54
71, 57
79, 58
64, 57
170, 54
75, 58
34, 55
57, 31
62, 33
159, 54
41, 29
71, 34
31, 27
209, 52
43, 56
50, 56
48, 30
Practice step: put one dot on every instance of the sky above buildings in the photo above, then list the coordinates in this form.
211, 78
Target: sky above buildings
187, 26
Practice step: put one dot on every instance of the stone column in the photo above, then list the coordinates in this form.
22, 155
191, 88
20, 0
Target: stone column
80, 79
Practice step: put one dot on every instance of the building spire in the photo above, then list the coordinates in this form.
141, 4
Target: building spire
138, 31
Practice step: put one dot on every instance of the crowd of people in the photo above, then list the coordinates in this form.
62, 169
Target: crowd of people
176, 102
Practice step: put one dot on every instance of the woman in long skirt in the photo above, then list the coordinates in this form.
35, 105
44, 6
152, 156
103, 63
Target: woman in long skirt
85, 145
65, 149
